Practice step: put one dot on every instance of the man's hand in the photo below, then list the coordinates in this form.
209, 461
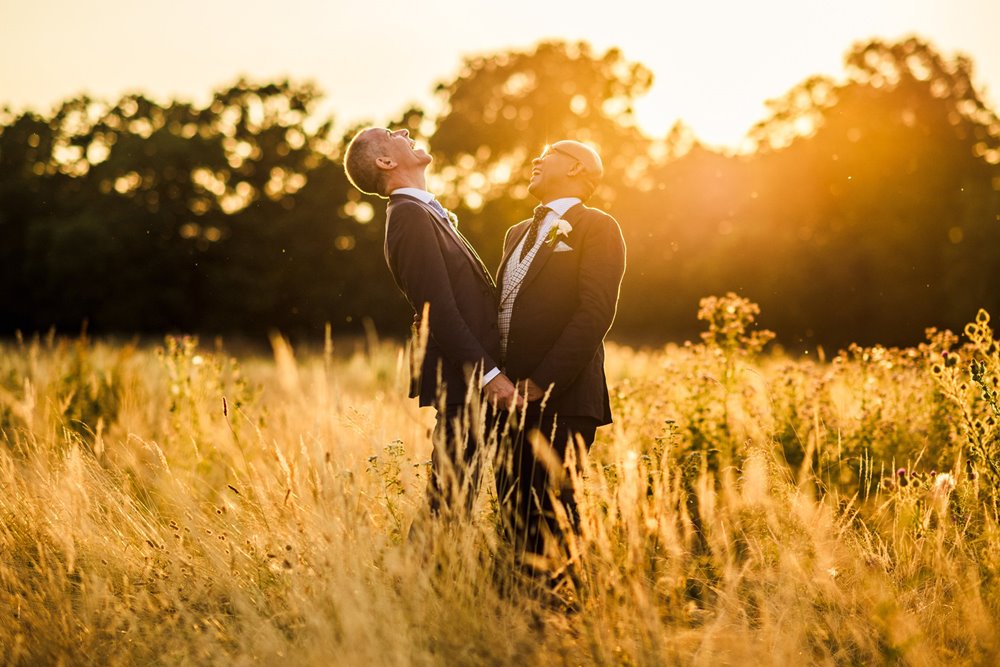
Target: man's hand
530, 390
501, 391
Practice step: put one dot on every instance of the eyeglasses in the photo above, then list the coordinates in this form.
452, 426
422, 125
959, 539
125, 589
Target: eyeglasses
549, 150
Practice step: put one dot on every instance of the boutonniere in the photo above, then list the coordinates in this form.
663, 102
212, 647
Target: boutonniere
559, 230
453, 219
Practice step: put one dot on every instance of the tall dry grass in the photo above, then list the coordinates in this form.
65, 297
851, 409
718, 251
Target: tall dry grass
178, 506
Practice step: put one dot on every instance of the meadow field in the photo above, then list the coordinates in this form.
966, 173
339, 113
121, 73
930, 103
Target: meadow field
181, 505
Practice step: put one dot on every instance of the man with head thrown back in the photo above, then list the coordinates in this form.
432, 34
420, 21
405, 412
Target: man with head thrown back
438, 270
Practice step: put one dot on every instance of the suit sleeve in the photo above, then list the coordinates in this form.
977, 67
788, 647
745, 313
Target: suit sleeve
602, 267
419, 267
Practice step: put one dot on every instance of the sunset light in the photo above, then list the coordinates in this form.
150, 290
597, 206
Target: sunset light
714, 64
537, 332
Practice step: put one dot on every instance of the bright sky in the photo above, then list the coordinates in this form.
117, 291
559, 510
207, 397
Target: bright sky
715, 63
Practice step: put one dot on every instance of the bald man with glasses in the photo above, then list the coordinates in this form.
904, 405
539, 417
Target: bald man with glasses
558, 285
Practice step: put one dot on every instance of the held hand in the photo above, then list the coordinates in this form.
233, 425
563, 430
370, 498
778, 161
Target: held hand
501, 391
530, 390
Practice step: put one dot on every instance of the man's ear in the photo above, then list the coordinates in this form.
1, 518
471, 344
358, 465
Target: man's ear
386, 163
575, 169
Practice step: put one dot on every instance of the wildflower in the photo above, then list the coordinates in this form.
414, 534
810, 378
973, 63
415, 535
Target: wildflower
901, 473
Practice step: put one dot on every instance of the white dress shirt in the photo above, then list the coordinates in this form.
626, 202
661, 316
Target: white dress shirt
417, 193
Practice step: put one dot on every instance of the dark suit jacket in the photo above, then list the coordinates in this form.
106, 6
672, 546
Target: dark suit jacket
433, 266
564, 308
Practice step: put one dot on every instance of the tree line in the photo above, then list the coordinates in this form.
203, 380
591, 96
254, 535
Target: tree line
864, 209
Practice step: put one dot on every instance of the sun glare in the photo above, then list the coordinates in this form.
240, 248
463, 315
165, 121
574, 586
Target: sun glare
719, 126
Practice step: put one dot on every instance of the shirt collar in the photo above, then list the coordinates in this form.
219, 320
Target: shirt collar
416, 193
560, 206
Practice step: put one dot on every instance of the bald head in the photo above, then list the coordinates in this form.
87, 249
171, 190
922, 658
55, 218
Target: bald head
566, 168
583, 154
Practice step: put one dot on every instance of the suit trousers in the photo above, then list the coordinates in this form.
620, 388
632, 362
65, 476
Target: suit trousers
528, 475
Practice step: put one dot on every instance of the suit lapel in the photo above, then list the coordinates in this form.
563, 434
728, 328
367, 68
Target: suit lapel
477, 260
456, 235
545, 250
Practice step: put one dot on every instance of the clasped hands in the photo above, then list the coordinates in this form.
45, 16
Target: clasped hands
501, 391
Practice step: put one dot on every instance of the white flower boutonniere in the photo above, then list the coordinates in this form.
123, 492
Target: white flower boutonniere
559, 230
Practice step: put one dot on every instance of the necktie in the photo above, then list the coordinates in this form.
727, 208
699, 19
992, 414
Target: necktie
442, 211
536, 223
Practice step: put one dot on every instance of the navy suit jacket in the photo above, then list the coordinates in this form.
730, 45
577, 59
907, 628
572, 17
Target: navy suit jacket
432, 265
565, 306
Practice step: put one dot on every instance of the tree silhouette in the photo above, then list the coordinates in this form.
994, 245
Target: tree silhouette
883, 185
502, 109
868, 210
